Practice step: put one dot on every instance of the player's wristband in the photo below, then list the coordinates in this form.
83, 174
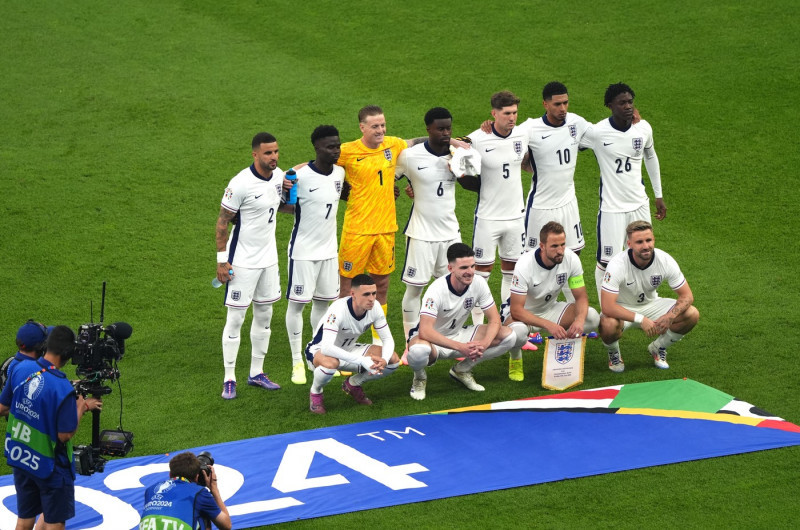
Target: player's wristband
638, 317
222, 257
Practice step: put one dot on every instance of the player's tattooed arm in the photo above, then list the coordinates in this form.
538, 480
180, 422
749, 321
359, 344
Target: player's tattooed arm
415, 141
225, 218
684, 301
681, 305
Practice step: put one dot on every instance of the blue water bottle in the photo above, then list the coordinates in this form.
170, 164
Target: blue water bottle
292, 175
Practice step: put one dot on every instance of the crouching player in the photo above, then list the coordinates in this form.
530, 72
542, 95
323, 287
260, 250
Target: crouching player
538, 278
334, 345
629, 297
441, 332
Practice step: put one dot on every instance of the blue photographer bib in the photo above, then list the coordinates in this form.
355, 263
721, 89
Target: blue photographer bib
42, 400
177, 504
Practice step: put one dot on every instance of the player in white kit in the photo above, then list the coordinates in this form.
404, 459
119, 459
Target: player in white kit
630, 297
432, 224
441, 332
538, 278
313, 264
334, 345
553, 148
251, 202
499, 214
620, 146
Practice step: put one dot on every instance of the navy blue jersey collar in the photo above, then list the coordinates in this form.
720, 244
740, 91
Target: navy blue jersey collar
428, 149
630, 257
538, 255
500, 135
258, 175
314, 168
547, 122
453, 290
352, 311
615, 126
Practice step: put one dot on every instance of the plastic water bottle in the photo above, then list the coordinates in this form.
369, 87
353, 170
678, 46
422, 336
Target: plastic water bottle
216, 284
292, 199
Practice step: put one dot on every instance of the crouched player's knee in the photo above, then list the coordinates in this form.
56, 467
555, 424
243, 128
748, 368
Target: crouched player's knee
592, 322
418, 355
520, 333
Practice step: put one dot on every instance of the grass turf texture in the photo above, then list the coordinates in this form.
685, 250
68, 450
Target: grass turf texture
122, 124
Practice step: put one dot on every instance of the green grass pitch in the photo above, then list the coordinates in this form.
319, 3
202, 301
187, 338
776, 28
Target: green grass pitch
121, 123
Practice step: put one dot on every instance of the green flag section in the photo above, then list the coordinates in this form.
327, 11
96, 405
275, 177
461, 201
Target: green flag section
674, 394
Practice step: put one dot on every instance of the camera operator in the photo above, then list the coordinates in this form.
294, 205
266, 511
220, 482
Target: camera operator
43, 414
182, 499
31, 338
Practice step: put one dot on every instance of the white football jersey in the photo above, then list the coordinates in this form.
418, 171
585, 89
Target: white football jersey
620, 155
433, 215
340, 321
541, 285
554, 150
501, 197
251, 243
314, 233
451, 309
635, 286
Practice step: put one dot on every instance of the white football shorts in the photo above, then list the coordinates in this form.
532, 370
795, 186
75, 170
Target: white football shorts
259, 286
611, 236
506, 237
318, 280
425, 259
567, 216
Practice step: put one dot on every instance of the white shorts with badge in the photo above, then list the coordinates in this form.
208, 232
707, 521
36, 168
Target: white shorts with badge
567, 216
553, 313
318, 280
465, 334
425, 259
611, 236
259, 286
358, 348
653, 310
507, 237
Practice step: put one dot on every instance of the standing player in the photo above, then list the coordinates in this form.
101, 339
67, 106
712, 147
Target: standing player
620, 146
630, 298
313, 275
334, 345
441, 332
370, 221
499, 224
251, 201
538, 278
553, 147
432, 224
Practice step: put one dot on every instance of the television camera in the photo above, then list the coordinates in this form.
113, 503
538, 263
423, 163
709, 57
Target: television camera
98, 348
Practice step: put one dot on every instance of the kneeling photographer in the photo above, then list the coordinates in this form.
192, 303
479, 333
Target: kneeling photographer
183, 498
43, 414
